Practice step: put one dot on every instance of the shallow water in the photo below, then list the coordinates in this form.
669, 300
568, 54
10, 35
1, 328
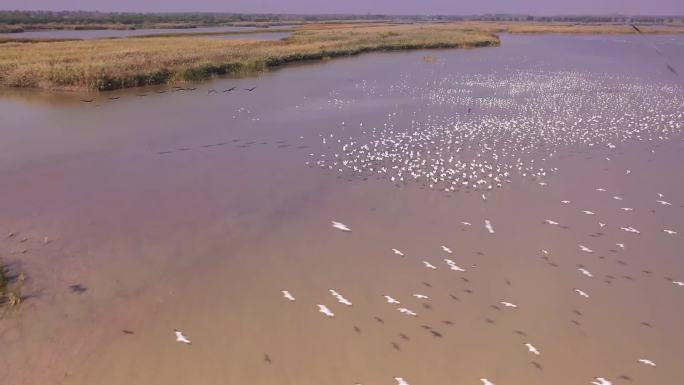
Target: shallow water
109, 33
193, 209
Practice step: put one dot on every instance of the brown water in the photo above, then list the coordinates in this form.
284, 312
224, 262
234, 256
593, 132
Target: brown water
193, 210
110, 33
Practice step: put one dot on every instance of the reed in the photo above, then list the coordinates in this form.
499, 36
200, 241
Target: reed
108, 64
10, 288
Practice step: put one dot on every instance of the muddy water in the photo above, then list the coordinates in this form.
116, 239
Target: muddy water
192, 210
110, 33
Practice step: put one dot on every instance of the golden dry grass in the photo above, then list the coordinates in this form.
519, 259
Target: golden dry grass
118, 63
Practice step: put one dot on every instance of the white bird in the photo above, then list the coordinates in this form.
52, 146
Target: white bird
446, 249
601, 381
585, 249
549, 221
466, 223
678, 283
626, 208
324, 309
407, 311
617, 198
646, 362
631, 229
580, 292
671, 232
429, 265
565, 202
340, 226
391, 300
287, 295
421, 296
397, 252
340, 298
621, 245
180, 337
489, 227
664, 203
400, 381
453, 265
601, 189
588, 212
585, 272
532, 349
486, 381
545, 252
508, 304
601, 225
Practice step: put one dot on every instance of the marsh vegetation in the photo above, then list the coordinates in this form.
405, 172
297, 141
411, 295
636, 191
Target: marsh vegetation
118, 63
10, 286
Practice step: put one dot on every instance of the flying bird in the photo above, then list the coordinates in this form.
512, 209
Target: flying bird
486, 381
646, 362
446, 249
585, 272
601, 381
582, 293
180, 337
340, 298
324, 309
400, 381
391, 300
585, 249
287, 295
532, 349
453, 265
429, 265
250, 89
421, 296
406, 311
340, 226
397, 252
508, 304
671, 232
489, 227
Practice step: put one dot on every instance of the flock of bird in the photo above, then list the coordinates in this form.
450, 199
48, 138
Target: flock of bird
477, 132
530, 347
174, 89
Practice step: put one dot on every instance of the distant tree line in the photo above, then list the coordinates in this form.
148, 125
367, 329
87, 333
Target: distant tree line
125, 18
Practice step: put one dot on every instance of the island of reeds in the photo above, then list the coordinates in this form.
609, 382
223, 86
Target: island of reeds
107, 64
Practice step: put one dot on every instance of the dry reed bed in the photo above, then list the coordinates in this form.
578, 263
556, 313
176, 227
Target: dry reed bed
119, 63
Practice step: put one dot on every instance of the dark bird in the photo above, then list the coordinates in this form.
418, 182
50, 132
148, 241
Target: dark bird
78, 288
635, 28
669, 67
114, 97
250, 89
229, 89
87, 100
127, 332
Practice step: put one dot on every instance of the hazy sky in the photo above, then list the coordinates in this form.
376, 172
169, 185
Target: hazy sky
454, 7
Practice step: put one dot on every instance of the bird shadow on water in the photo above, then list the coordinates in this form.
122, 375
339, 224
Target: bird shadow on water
78, 288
